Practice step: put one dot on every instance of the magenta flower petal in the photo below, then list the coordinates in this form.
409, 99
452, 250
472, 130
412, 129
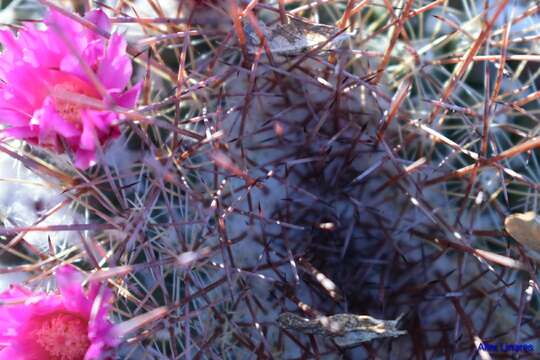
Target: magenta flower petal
94, 351
18, 79
53, 112
100, 19
85, 159
14, 295
13, 117
70, 324
88, 134
11, 98
11, 46
129, 98
115, 69
21, 133
56, 18
10, 353
68, 281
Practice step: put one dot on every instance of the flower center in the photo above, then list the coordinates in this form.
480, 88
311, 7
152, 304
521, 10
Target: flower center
63, 336
68, 109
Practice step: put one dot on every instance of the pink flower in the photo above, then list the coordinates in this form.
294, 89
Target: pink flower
58, 85
70, 324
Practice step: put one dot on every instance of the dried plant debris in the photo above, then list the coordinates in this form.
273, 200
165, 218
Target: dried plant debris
295, 37
524, 228
345, 329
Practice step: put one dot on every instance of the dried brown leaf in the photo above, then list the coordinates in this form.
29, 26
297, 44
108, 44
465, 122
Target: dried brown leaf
296, 36
524, 228
345, 329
